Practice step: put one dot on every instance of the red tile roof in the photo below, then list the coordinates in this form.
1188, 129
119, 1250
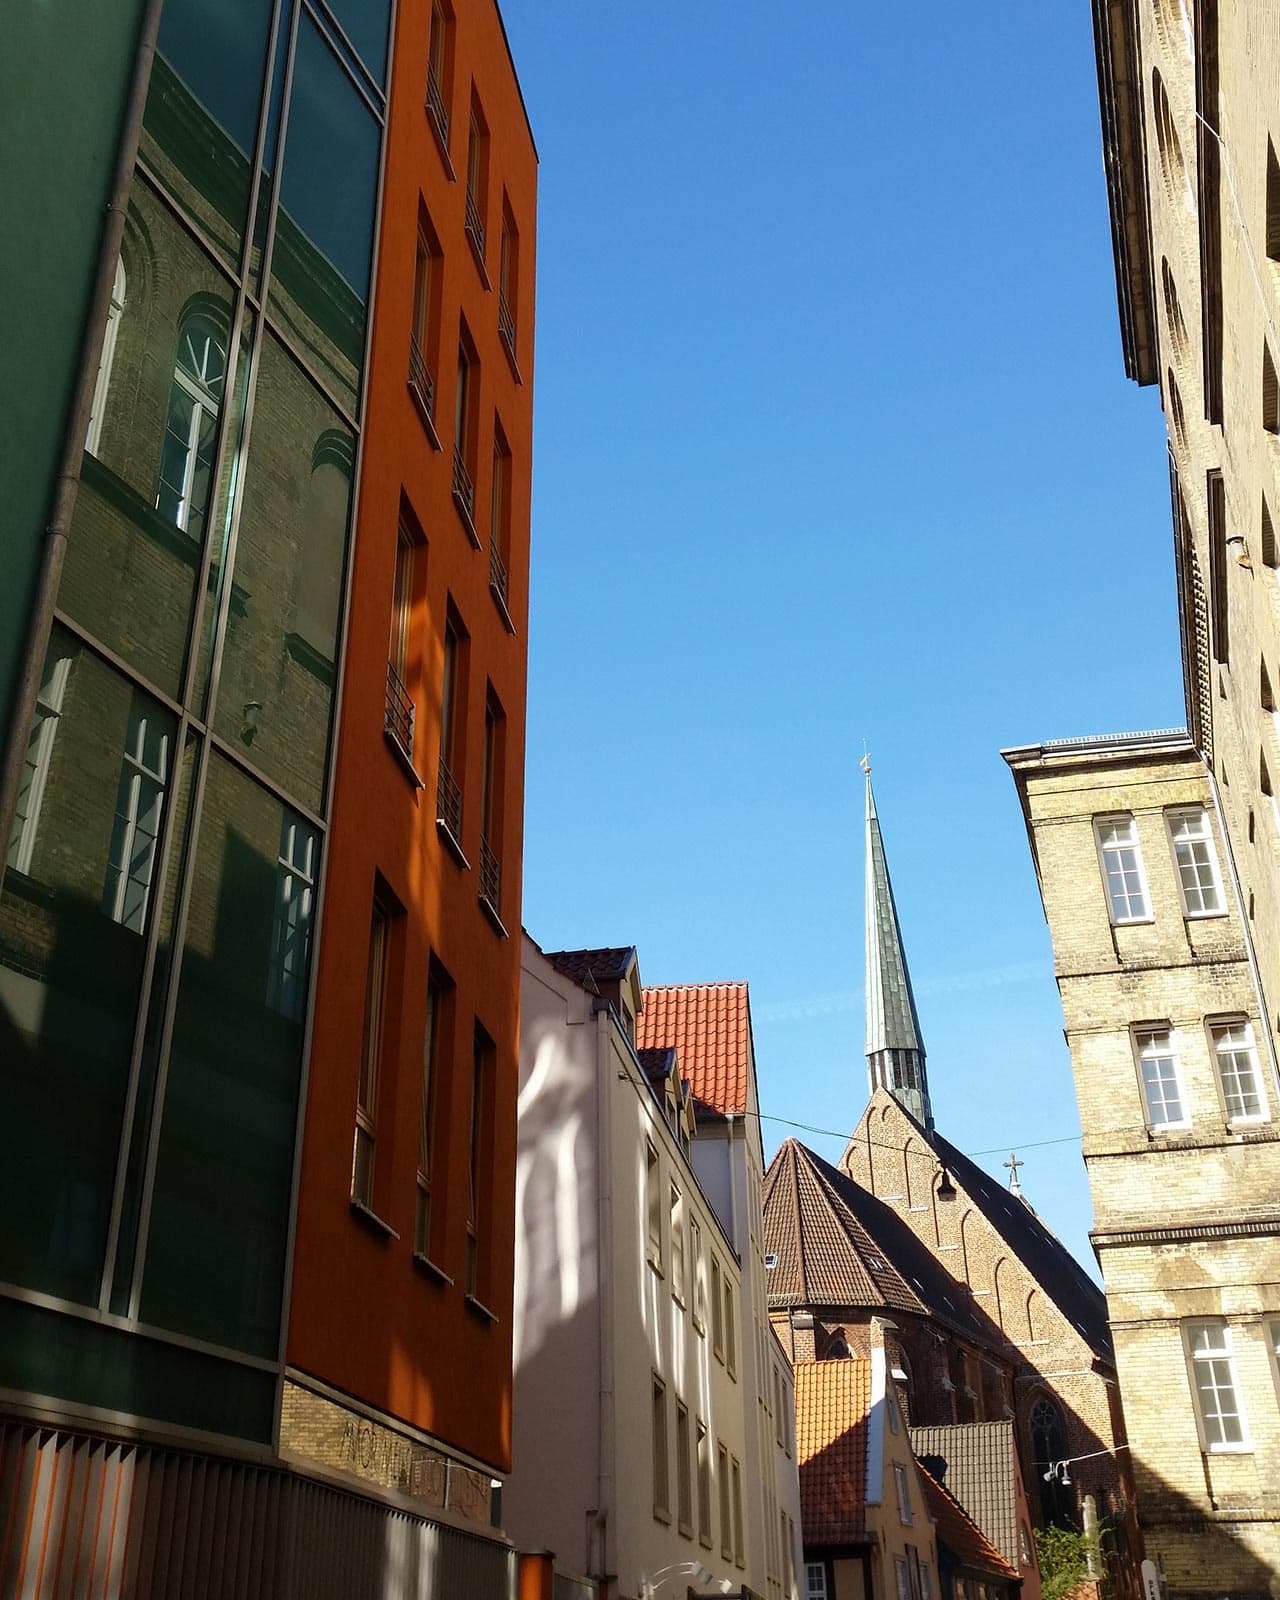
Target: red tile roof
709, 1025
973, 1551
832, 1402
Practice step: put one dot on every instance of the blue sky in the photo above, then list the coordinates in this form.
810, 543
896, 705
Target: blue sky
833, 443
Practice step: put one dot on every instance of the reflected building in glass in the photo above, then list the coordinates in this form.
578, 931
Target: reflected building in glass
257, 995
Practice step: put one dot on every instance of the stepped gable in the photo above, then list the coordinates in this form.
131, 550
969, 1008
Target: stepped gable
1075, 1294
709, 1026
825, 1256
960, 1534
977, 1464
833, 1399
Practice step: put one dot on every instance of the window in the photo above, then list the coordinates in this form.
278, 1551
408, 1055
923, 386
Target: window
35, 769
653, 1206
426, 321
677, 1244
144, 774
1273, 203
370, 1058
1270, 556
902, 1578
926, 1582
508, 270
438, 987
103, 381
1161, 1079
1270, 392
684, 1484
699, 1276
815, 1580
500, 524
399, 716
717, 1309
292, 918
1196, 862
195, 398
465, 399
491, 798
438, 63
482, 1052
1243, 1094
726, 1511
739, 1544
779, 1424
730, 1329
448, 789
903, 1489
477, 181
1213, 1381
1122, 872
661, 1467
704, 1485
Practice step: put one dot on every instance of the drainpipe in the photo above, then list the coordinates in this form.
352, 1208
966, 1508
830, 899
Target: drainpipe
601, 1560
13, 755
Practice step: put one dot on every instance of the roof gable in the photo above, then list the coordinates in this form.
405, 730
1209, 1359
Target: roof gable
833, 1399
977, 1463
709, 1025
969, 1546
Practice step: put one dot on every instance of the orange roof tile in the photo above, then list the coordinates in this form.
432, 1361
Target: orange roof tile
832, 1402
709, 1025
956, 1529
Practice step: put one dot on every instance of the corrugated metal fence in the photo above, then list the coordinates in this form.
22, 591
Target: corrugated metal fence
89, 1519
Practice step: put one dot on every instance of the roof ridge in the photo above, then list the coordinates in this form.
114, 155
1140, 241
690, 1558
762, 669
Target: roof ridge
712, 983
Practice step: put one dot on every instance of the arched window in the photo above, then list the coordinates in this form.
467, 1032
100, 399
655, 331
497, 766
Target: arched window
1049, 1450
103, 380
838, 1349
195, 398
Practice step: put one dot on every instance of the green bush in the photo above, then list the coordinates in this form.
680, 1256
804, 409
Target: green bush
1064, 1559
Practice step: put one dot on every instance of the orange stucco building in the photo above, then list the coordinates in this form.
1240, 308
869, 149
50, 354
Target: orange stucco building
402, 1277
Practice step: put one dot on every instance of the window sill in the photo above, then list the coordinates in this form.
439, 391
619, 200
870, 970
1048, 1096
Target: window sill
404, 759
451, 843
424, 416
479, 1310
372, 1220
705, 1541
662, 1515
491, 911
1132, 922
429, 1269
686, 1529
501, 604
1204, 916
468, 522
655, 1261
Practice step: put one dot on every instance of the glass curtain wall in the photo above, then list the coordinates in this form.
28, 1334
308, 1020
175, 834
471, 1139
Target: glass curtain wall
159, 886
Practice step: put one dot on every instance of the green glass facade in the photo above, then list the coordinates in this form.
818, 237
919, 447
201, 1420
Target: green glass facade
160, 886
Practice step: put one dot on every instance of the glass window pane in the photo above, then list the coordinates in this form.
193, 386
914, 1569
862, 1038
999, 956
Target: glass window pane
70, 971
365, 24
215, 1270
281, 643
201, 120
324, 229
146, 491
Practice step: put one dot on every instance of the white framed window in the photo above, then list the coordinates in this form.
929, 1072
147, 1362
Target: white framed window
144, 776
294, 911
1196, 862
1120, 857
926, 1581
191, 428
815, 1580
1216, 1388
653, 1206
1244, 1096
103, 381
903, 1489
35, 768
661, 1462
1161, 1076
902, 1578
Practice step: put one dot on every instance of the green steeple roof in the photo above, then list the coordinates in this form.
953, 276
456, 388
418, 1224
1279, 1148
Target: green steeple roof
895, 1049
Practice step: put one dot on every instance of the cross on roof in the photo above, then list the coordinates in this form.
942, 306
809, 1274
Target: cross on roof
1013, 1164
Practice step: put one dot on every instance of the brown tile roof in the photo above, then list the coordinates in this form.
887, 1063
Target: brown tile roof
710, 1025
832, 1402
588, 966
978, 1462
971, 1550
825, 1257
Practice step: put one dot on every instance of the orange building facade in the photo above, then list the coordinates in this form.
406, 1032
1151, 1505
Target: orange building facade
404, 1237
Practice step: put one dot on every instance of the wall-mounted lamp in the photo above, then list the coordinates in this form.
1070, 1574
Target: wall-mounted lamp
249, 720
944, 1188
1240, 550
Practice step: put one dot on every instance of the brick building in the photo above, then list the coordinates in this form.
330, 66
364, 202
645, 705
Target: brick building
259, 1212
1177, 1091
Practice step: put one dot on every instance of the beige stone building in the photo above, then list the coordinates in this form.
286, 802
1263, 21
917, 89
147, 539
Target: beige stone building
1191, 136
1177, 1090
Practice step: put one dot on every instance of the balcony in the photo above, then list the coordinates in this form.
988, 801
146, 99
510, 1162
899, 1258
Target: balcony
437, 115
491, 886
464, 494
398, 721
498, 584
475, 228
449, 811
423, 389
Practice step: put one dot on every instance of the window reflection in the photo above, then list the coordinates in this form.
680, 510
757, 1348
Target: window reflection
144, 775
195, 400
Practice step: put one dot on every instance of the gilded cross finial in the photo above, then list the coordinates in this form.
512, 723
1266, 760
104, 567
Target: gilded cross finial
865, 763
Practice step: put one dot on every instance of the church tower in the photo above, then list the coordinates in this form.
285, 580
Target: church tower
895, 1050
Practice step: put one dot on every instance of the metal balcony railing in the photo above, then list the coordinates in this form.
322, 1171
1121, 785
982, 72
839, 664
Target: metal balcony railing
464, 490
506, 324
435, 106
399, 713
490, 875
420, 380
497, 571
474, 225
448, 801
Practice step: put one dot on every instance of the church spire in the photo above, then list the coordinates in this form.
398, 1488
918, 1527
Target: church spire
895, 1050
